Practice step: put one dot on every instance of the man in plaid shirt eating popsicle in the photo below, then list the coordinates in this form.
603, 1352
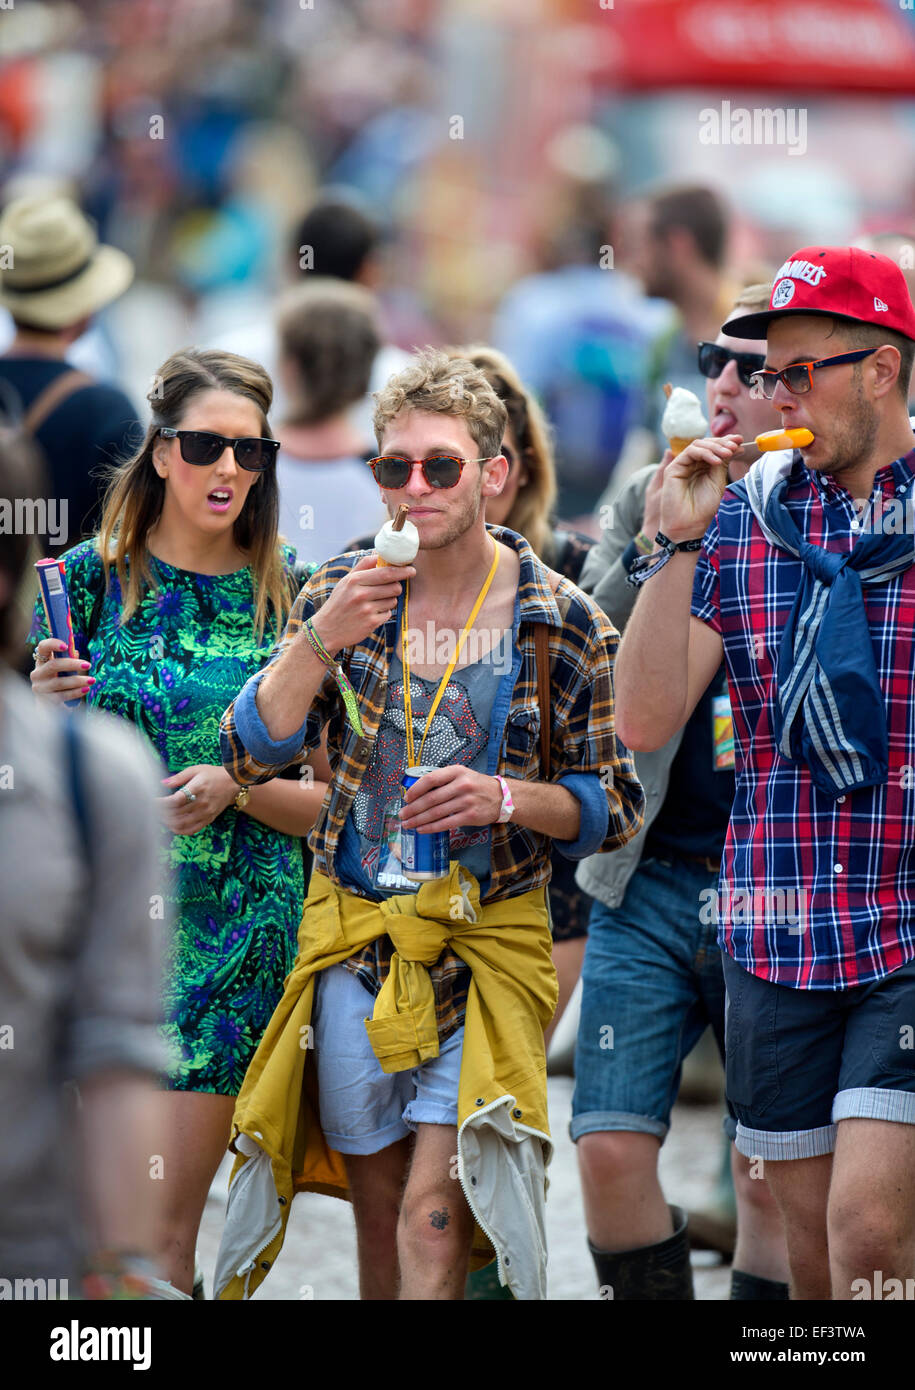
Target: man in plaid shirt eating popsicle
802, 577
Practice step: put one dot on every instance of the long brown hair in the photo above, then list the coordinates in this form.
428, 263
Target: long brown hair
534, 501
133, 502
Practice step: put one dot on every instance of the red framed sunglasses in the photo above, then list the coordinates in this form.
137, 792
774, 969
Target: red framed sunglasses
440, 470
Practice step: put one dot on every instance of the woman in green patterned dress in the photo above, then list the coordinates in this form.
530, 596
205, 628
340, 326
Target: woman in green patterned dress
173, 604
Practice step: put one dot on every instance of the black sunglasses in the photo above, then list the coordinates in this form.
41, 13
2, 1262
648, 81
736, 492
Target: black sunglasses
203, 448
713, 359
442, 470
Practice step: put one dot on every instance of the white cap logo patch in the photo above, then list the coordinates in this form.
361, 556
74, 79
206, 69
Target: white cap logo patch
880, 306
784, 293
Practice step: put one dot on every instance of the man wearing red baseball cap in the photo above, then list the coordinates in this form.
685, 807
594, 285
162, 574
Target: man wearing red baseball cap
802, 578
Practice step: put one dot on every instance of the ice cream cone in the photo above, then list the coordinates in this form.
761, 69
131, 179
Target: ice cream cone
402, 535
683, 410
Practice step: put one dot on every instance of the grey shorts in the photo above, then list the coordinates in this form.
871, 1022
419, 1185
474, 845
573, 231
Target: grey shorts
364, 1109
801, 1060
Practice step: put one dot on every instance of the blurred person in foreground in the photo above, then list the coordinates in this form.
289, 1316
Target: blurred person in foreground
175, 603
652, 969
338, 239
328, 341
58, 277
456, 970
80, 955
800, 577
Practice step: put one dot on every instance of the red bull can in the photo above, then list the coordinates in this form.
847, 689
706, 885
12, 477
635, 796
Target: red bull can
424, 855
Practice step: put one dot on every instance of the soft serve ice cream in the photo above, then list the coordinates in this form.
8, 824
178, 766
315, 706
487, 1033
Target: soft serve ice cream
397, 543
683, 420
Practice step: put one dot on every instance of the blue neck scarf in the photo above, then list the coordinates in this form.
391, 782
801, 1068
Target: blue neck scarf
830, 711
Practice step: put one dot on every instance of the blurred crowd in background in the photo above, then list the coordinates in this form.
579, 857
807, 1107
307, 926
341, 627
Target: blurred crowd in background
506, 152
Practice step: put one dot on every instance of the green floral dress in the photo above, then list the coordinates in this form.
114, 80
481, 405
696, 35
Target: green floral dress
236, 887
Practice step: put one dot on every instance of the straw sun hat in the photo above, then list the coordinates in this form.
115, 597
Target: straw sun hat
54, 270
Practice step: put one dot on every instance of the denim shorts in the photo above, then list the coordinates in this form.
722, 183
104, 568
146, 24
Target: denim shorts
364, 1109
651, 984
800, 1060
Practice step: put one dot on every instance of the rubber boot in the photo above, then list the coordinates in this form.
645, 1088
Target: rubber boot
483, 1285
655, 1273
751, 1288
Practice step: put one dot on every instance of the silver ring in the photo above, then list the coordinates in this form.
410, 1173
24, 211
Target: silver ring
190, 795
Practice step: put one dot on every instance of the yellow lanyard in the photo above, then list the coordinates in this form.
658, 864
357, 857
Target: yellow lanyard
404, 622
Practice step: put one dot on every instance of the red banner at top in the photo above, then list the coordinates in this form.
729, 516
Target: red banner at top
842, 45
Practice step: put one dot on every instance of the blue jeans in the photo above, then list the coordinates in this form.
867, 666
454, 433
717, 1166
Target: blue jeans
651, 983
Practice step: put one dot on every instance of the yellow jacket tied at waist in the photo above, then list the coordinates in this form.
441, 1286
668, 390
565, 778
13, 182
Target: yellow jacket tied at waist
503, 1132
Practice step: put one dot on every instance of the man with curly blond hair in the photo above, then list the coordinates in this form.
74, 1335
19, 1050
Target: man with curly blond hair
449, 1129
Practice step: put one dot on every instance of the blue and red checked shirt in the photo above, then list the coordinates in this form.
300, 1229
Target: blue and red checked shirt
814, 893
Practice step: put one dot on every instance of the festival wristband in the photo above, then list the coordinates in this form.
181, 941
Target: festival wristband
508, 806
643, 543
339, 675
647, 565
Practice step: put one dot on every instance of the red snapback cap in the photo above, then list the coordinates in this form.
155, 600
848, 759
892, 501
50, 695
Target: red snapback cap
841, 281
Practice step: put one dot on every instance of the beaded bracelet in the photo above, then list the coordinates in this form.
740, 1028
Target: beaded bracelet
339, 675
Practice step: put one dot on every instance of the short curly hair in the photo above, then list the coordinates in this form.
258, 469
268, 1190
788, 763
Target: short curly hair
444, 385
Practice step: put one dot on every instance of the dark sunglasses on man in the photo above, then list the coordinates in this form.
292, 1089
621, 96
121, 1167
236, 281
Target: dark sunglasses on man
440, 471
203, 448
713, 359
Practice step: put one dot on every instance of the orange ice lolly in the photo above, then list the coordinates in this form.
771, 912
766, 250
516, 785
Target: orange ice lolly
784, 439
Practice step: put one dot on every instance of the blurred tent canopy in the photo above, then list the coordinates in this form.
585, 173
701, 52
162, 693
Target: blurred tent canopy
847, 46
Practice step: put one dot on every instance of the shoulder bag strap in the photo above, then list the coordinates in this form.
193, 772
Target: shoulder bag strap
542, 659
53, 395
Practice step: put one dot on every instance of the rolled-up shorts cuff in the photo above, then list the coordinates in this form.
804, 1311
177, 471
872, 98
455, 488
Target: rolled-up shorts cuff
597, 1120
874, 1103
367, 1143
778, 1144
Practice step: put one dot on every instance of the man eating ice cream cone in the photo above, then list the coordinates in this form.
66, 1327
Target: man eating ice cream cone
426, 1004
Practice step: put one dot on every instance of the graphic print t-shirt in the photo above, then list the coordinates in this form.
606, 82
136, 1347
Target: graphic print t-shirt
368, 857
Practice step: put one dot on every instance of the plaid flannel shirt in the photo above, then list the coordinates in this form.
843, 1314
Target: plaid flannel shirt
584, 747
815, 893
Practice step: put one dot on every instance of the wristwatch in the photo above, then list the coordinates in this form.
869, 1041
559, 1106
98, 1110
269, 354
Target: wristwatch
242, 798
508, 806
